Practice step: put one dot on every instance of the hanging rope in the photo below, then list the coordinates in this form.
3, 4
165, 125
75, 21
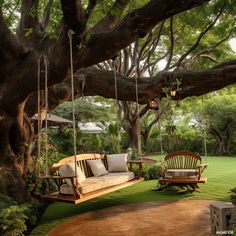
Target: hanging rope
70, 34
137, 104
159, 125
45, 60
117, 105
136, 90
39, 123
116, 93
82, 87
204, 128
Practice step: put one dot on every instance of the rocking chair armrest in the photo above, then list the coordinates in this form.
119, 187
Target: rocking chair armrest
202, 167
162, 170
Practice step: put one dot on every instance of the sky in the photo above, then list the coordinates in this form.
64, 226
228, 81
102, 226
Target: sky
232, 43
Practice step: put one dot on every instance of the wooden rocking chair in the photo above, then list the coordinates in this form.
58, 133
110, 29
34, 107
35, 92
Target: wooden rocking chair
182, 168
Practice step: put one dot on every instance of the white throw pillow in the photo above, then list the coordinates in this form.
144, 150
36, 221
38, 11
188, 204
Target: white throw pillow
117, 162
69, 170
97, 167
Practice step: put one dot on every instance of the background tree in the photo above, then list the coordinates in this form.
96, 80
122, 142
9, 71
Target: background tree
166, 43
220, 112
87, 109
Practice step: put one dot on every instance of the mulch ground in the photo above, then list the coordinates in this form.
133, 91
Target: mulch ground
177, 218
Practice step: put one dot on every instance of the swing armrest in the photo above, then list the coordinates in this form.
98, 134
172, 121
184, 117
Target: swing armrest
140, 164
59, 181
137, 162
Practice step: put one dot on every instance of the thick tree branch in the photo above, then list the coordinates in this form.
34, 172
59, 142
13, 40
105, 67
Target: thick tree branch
148, 65
90, 7
102, 46
112, 17
98, 82
212, 47
9, 46
209, 57
46, 16
143, 111
74, 17
29, 24
194, 46
196, 83
171, 49
97, 48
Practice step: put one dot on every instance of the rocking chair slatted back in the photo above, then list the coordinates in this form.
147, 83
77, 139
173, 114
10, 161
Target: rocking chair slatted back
182, 160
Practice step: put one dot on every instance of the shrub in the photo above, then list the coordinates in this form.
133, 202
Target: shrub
16, 219
37, 186
234, 231
13, 220
149, 172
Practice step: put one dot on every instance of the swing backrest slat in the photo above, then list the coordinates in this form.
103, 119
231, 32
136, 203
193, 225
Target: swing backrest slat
81, 160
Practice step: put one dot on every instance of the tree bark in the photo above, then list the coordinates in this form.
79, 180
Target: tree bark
16, 136
136, 137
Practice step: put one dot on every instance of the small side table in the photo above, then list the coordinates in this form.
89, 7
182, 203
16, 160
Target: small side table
140, 164
223, 217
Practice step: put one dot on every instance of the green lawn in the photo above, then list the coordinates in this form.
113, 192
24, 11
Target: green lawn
221, 175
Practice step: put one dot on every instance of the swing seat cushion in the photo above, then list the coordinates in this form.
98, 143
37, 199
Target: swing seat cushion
69, 170
117, 162
96, 183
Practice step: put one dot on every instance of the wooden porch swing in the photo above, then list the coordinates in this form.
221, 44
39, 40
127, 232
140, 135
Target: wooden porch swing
89, 186
70, 189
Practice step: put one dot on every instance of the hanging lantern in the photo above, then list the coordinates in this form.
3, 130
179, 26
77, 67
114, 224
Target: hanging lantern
173, 93
153, 104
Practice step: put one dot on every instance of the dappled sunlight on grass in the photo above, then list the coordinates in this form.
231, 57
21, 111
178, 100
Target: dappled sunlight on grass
221, 175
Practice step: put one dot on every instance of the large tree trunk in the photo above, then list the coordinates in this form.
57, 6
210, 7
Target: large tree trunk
132, 129
135, 126
16, 136
222, 143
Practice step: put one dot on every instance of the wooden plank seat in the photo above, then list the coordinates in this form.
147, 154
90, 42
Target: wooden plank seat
182, 167
92, 186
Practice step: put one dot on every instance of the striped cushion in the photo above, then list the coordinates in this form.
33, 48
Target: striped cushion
181, 173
